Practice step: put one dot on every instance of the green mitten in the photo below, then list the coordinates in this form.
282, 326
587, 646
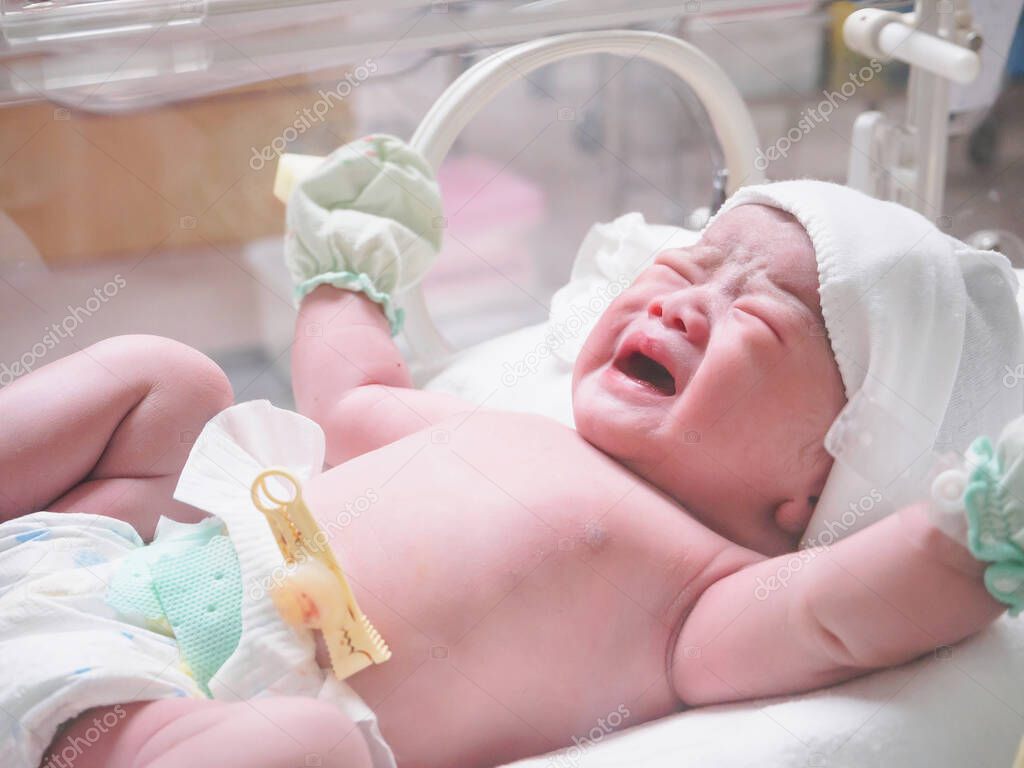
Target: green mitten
994, 501
368, 219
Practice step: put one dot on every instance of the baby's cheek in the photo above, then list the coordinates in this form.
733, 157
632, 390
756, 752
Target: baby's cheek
600, 343
622, 311
613, 314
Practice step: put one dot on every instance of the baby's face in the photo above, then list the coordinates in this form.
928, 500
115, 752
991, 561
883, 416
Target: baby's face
712, 378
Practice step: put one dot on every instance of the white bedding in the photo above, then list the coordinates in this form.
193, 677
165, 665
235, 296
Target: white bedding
961, 706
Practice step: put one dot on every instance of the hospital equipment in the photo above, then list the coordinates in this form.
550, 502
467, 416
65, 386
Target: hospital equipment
907, 163
119, 55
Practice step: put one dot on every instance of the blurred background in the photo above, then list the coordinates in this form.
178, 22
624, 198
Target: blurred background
138, 144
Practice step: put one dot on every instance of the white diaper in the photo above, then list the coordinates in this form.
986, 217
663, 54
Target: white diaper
64, 649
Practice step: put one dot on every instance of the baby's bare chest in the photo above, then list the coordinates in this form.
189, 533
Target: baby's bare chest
539, 566
462, 512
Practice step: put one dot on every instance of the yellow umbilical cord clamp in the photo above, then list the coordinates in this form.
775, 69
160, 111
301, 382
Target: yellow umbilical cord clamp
315, 593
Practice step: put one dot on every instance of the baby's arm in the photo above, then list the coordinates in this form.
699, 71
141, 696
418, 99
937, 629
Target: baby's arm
364, 220
185, 733
887, 594
350, 378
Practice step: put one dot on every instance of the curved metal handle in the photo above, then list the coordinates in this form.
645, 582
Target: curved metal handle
475, 88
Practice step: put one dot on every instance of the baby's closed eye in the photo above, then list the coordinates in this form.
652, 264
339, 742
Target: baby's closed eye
766, 317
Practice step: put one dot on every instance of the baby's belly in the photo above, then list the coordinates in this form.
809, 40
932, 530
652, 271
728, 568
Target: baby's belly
529, 587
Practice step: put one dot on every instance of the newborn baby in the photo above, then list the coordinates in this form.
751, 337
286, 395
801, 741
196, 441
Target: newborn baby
531, 579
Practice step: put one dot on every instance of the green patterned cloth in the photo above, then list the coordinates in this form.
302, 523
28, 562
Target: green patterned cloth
994, 501
187, 584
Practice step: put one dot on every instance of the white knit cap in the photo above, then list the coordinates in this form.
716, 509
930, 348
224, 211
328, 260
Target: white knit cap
927, 336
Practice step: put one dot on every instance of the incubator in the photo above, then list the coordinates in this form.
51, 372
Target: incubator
178, 111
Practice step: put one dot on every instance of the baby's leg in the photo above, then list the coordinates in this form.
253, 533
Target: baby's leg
186, 733
107, 430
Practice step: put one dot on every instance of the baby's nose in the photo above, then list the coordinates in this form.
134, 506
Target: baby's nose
684, 316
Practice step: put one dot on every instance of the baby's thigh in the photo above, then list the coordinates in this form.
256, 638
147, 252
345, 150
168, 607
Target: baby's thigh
176, 390
124, 409
193, 732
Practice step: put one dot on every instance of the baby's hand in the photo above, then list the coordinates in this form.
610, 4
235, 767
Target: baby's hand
981, 505
366, 220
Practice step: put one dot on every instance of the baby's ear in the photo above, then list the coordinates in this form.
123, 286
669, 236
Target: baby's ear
793, 515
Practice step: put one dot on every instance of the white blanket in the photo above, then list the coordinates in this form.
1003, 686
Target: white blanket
963, 706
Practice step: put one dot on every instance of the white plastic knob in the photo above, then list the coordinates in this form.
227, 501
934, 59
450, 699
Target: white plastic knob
948, 489
886, 35
862, 29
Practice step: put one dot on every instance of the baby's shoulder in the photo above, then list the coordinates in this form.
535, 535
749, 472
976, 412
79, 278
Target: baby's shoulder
553, 465
535, 444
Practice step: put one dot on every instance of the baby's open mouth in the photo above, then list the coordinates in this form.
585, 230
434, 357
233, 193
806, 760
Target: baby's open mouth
647, 371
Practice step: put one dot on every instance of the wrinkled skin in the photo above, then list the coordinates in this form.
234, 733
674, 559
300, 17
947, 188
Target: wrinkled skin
712, 371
